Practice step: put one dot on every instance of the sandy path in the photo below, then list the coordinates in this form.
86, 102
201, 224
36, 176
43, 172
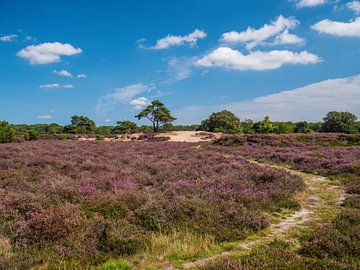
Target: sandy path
312, 202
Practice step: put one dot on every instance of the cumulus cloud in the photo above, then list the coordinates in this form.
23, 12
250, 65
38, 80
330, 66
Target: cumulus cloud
81, 76
310, 103
171, 40
46, 53
253, 37
56, 86
63, 73
340, 29
122, 95
309, 3
232, 59
354, 6
140, 102
287, 38
8, 38
44, 117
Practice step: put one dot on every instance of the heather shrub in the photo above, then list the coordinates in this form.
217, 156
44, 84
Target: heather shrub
121, 238
57, 223
106, 206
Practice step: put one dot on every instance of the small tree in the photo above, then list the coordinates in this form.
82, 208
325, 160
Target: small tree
224, 121
157, 114
302, 127
125, 127
264, 126
339, 122
80, 125
7, 133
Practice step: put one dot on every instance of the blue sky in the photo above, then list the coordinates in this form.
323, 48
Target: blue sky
291, 59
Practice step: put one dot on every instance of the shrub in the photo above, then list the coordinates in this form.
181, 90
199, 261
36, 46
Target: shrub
224, 121
121, 238
7, 133
100, 137
31, 135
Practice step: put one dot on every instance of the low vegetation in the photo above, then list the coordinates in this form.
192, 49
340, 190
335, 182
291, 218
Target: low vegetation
81, 203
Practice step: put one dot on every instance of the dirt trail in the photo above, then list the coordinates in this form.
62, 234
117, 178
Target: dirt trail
320, 195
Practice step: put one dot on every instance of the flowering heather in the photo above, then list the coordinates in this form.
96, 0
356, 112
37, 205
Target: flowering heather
88, 201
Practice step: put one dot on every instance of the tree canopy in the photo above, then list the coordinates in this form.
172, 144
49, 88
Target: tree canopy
80, 125
125, 127
224, 121
7, 133
339, 122
157, 114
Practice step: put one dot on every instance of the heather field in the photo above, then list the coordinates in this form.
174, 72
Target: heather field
169, 205
77, 204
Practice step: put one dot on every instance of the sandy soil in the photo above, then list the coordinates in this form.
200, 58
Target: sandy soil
175, 136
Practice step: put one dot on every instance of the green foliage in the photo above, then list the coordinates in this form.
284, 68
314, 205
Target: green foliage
100, 137
115, 265
80, 125
247, 126
121, 238
31, 135
302, 127
63, 137
224, 121
39, 128
340, 122
283, 127
104, 129
156, 113
264, 126
125, 127
7, 133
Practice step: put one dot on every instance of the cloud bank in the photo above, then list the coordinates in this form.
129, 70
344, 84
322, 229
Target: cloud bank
310, 103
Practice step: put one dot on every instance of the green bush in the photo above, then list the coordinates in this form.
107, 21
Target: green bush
100, 138
7, 133
63, 137
31, 135
224, 121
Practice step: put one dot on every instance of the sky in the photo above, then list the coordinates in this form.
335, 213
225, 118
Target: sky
289, 59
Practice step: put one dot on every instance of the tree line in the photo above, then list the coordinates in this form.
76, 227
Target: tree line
161, 119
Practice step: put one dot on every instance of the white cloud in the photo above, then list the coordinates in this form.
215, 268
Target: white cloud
81, 76
46, 53
121, 95
108, 120
253, 37
310, 103
172, 40
340, 29
140, 102
56, 86
232, 59
63, 73
287, 38
354, 6
8, 38
309, 3
44, 117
